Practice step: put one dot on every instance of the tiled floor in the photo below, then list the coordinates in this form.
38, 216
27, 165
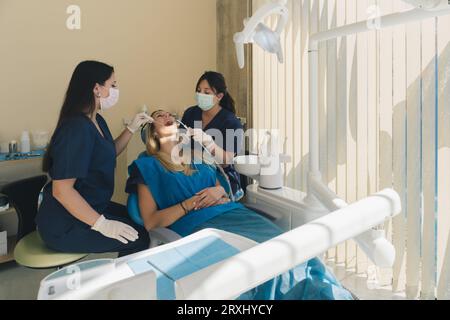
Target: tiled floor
18, 283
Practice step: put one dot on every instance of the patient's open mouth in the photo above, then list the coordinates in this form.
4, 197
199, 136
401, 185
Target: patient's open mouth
169, 123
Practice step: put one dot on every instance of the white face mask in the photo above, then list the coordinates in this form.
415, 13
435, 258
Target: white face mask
205, 101
111, 101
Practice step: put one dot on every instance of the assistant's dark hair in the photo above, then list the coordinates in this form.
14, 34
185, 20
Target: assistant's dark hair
217, 82
79, 98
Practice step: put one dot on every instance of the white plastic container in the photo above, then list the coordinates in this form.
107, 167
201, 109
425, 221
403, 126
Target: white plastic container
25, 145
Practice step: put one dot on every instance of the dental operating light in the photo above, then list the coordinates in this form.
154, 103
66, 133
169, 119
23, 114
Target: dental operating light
256, 31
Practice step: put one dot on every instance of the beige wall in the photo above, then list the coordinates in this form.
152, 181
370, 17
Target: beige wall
158, 47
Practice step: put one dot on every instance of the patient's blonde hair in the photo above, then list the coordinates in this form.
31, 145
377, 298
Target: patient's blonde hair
154, 149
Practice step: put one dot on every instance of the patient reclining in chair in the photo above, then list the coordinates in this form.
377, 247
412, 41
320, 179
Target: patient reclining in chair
178, 191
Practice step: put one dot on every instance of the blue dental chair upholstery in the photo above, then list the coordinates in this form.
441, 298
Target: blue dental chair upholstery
161, 235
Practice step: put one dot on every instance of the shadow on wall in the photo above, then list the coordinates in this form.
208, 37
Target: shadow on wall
400, 109
301, 169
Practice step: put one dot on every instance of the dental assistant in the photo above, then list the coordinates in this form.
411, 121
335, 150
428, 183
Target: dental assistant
76, 214
216, 126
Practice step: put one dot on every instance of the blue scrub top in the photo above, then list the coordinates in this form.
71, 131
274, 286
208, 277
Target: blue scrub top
223, 121
80, 152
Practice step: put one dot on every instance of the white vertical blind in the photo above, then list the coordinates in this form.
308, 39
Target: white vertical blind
413, 109
341, 117
443, 172
399, 155
303, 71
331, 104
429, 104
362, 121
352, 119
384, 109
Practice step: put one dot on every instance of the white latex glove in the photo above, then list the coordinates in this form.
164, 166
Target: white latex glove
115, 230
138, 121
201, 137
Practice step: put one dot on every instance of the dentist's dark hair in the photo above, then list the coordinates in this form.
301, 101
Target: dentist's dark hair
217, 82
80, 98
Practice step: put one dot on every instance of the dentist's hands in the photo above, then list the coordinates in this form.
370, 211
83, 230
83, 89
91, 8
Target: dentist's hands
115, 230
138, 121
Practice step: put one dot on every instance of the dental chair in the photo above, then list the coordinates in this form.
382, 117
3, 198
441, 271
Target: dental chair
165, 235
216, 265
213, 264
162, 236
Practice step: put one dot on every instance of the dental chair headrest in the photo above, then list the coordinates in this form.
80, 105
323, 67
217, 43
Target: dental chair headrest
144, 133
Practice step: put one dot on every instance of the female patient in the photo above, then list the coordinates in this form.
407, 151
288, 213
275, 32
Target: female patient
185, 196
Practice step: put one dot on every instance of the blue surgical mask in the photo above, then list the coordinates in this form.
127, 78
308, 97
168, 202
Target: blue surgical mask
205, 101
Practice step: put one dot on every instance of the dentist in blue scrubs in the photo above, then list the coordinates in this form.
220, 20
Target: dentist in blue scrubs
215, 125
76, 214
